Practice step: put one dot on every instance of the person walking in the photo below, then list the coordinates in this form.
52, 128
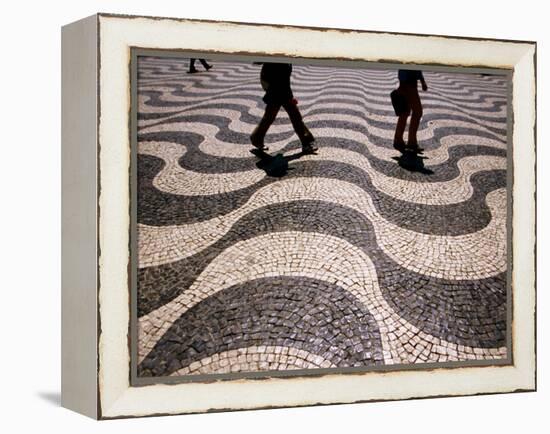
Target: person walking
408, 89
192, 68
275, 80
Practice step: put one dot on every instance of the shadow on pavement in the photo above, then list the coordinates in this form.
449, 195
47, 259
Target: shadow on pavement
275, 166
413, 163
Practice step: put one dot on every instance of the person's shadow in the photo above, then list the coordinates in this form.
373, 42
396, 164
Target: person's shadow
413, 162
276, 166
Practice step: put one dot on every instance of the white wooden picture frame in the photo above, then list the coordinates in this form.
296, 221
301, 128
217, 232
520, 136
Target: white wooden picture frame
96, 246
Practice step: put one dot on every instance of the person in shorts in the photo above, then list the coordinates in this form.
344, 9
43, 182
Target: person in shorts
408, 87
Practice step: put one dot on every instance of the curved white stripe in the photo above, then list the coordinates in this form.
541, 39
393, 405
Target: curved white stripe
220, 78
254, 108
227, 72
300, 74
256, 111
299, 71
312, 255
367, 89
456, 190
369, 92
452, 82
255, 358
378, 102
239, 126
468, 95
373, 91
213, 146
174, 179
472, 256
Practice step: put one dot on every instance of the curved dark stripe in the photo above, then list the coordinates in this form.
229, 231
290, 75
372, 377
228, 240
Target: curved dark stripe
198, 161
207, 104
157, 115
153, 71
455, 87
202, 81
245, 110
441, 172
438, 132
302, 313
449, 79
380, 89
219, 80
427, 117
362, 85
249, 118
312, 106
219, 77
467, 85
453, 81
431, 100
230, 136
469, 312
156, 97
156, 69
462, 92
456, 219
319, 72
157, 208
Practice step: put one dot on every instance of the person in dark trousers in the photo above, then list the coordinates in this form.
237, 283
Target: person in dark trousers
192, 68
275, 80
408, 87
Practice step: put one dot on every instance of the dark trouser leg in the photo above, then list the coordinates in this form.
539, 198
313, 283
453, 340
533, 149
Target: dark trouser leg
416, 115
258, 135
298, 123
192, 64
203, 62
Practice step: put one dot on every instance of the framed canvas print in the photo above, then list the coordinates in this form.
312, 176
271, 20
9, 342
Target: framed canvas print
261, 216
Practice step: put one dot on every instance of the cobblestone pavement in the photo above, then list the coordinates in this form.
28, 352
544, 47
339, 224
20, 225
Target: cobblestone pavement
355, 256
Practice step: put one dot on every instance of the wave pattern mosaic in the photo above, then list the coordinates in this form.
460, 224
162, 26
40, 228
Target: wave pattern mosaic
355, 255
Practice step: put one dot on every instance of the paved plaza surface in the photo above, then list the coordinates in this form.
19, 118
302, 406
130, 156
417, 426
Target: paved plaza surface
355, 256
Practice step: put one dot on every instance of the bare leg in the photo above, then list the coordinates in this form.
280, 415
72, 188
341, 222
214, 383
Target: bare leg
416, 115
400, 129
258, 135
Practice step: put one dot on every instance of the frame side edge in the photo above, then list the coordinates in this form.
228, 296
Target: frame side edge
79, 209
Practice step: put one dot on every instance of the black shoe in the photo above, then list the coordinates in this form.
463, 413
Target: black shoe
192, 71
307, 139
400, 146
207, 67
415, 148
308, 149
258, 144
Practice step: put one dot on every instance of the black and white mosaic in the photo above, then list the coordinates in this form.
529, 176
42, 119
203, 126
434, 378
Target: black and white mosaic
354, 256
